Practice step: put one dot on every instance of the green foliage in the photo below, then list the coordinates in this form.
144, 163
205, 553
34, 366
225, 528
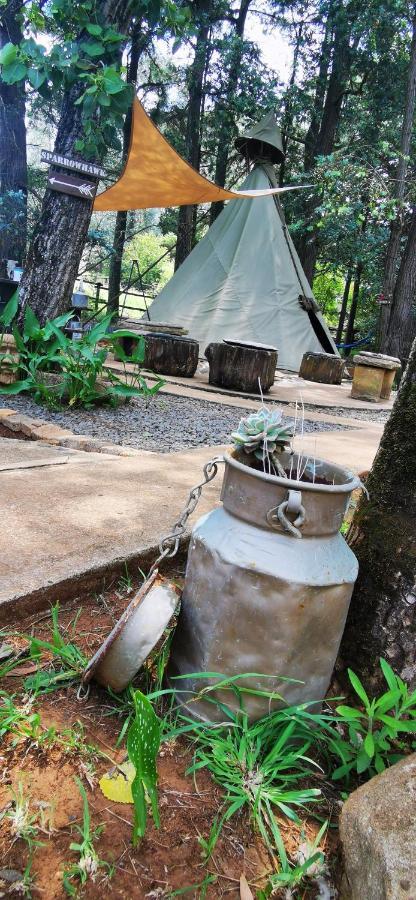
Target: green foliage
69, 657
264, 766
24, 826
89, 863
143, 741
20, 721
83, 51
155, 263
80, 365
373, 735
328, 288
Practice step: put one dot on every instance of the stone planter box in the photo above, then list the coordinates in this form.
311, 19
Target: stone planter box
374, 375
8, 346
325, 368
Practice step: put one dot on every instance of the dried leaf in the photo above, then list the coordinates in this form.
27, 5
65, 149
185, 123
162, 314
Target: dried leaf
116, 784
245, 892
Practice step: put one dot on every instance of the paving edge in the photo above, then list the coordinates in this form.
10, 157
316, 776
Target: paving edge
97, 578
40, 430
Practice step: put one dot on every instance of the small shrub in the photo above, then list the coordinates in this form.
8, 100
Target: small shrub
60, 371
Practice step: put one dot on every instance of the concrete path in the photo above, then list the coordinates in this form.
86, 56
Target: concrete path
71, 526
355, 449
75, 522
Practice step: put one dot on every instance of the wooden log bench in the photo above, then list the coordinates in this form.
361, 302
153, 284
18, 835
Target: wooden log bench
325, 368
374, 375
240, 366
167, 354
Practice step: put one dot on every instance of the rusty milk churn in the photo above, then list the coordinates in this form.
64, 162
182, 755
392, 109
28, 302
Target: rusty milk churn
257, 599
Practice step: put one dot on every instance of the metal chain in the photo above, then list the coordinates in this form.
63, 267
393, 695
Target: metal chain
169, 544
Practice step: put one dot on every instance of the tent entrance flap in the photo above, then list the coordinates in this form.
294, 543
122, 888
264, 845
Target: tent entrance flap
155, 176
321, 333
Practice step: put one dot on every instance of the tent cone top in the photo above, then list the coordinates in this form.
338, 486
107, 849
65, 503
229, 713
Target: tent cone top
263, 140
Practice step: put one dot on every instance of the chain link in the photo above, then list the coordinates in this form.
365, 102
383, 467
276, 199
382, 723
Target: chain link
169, 544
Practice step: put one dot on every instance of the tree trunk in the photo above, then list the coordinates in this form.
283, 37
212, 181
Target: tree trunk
138, 45
312, 134
193, 126
321, 142
287, 117
59, 238
402, 328
343, 310
396, 229
225, 108
382, 617
13, 161
349, 337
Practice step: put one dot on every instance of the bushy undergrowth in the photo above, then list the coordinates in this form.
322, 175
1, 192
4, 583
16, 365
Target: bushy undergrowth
59, 371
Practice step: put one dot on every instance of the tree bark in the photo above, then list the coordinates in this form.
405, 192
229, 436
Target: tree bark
343, 310
349, 337
402, 329
396, 229
382, 617
225, 109
320, 140
139, 43
13, 161
59, 238
287, 118
186, 218
312, 134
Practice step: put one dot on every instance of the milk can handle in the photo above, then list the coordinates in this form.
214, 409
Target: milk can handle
292, 506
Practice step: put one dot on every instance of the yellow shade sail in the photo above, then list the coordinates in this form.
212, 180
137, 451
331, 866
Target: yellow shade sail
156, 176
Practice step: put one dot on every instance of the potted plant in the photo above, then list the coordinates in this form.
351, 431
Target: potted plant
269, 576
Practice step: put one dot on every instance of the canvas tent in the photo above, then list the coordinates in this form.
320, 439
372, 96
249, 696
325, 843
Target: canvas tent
244, 280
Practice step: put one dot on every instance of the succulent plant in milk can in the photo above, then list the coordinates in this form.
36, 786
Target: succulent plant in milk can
263, 434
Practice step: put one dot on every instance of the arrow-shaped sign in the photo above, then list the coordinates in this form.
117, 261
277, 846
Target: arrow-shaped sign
70, 184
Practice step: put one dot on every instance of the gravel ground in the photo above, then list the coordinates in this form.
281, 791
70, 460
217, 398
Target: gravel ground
164, 424
364, 415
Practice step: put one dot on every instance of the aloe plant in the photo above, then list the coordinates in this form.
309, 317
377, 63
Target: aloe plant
263, 434
143, 741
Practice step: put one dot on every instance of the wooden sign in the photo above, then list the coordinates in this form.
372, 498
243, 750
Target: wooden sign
77, 165
71, 184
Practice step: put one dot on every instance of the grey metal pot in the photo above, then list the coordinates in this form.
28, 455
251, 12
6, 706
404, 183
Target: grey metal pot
268, 585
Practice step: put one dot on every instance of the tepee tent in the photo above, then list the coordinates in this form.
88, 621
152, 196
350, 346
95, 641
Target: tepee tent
244, 280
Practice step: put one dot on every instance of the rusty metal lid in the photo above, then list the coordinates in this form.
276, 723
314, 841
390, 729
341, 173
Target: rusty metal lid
134, 637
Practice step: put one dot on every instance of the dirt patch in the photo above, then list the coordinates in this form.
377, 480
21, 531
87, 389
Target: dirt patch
168, 859
17, 435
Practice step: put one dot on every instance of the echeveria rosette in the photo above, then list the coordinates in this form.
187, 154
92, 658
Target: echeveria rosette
263, 434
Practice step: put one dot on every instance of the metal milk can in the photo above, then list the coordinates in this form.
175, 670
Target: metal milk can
258, 599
